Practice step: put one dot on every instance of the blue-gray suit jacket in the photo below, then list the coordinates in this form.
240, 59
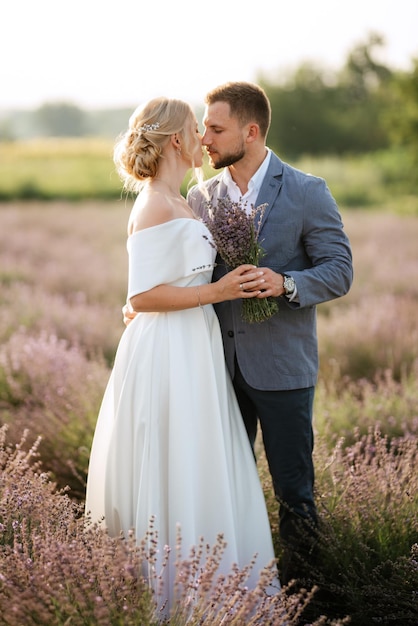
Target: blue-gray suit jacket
302, 234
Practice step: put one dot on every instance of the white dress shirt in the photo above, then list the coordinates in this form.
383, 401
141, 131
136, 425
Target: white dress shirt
250, 196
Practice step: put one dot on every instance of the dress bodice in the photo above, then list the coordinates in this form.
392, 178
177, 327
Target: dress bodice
174, 252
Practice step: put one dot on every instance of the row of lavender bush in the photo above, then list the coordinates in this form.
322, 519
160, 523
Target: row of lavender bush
63, 283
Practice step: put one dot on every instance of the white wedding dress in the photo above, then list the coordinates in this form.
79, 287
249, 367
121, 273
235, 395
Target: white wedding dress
170, 441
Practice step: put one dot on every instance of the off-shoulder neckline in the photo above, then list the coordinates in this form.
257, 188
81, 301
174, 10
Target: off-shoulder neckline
176, 219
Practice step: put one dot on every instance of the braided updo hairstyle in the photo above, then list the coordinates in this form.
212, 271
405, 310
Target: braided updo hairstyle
138, 151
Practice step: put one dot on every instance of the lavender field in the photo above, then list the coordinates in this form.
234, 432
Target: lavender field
63, 276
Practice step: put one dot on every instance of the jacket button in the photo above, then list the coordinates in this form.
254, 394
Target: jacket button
230, 333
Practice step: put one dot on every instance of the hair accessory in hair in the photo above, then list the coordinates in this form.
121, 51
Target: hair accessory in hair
147, 127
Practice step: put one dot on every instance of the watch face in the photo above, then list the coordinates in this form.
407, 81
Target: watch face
289, 284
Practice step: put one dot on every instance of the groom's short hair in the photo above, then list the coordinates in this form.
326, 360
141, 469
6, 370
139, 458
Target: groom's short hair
247, 102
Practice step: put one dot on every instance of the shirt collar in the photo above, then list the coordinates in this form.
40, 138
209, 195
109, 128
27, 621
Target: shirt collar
255, 181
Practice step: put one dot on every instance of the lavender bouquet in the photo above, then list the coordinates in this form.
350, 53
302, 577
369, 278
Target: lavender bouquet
235, 234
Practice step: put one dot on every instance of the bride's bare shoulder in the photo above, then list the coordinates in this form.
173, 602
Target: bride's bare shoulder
150, 209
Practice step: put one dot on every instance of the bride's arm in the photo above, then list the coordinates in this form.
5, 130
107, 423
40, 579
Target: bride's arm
170, 298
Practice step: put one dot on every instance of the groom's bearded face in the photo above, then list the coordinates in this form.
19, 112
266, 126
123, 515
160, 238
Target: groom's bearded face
223, 137
219, 160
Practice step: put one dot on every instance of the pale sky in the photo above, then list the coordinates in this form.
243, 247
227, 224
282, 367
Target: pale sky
107, 53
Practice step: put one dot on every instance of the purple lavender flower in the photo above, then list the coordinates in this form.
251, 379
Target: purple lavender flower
235, 234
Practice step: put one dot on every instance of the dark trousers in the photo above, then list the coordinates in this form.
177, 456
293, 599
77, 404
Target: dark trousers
286, 425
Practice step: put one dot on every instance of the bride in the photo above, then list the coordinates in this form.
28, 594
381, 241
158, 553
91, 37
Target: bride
170, 444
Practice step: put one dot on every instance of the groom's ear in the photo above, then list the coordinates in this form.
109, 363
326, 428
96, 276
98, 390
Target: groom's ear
253, 132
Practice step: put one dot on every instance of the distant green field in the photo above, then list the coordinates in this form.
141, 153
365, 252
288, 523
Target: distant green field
82, 169
58, 168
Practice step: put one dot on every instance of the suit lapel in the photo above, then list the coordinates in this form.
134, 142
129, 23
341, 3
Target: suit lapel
271, 186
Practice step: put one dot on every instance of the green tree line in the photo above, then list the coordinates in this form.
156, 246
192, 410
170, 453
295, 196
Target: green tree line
363, 108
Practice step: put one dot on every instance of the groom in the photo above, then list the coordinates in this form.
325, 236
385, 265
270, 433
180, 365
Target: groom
274, 364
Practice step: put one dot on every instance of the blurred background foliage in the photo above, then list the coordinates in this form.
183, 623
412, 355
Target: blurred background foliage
358, 125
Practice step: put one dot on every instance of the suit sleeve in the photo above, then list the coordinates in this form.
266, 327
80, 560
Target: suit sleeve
327, 246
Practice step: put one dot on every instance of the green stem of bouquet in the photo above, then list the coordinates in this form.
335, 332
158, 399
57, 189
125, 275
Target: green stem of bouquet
257, 309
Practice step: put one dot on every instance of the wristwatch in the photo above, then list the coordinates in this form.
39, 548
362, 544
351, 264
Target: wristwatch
288, 284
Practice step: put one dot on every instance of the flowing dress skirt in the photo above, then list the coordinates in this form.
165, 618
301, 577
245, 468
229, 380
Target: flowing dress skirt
170, 443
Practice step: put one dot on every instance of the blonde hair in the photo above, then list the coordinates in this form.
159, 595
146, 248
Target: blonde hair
138, 151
